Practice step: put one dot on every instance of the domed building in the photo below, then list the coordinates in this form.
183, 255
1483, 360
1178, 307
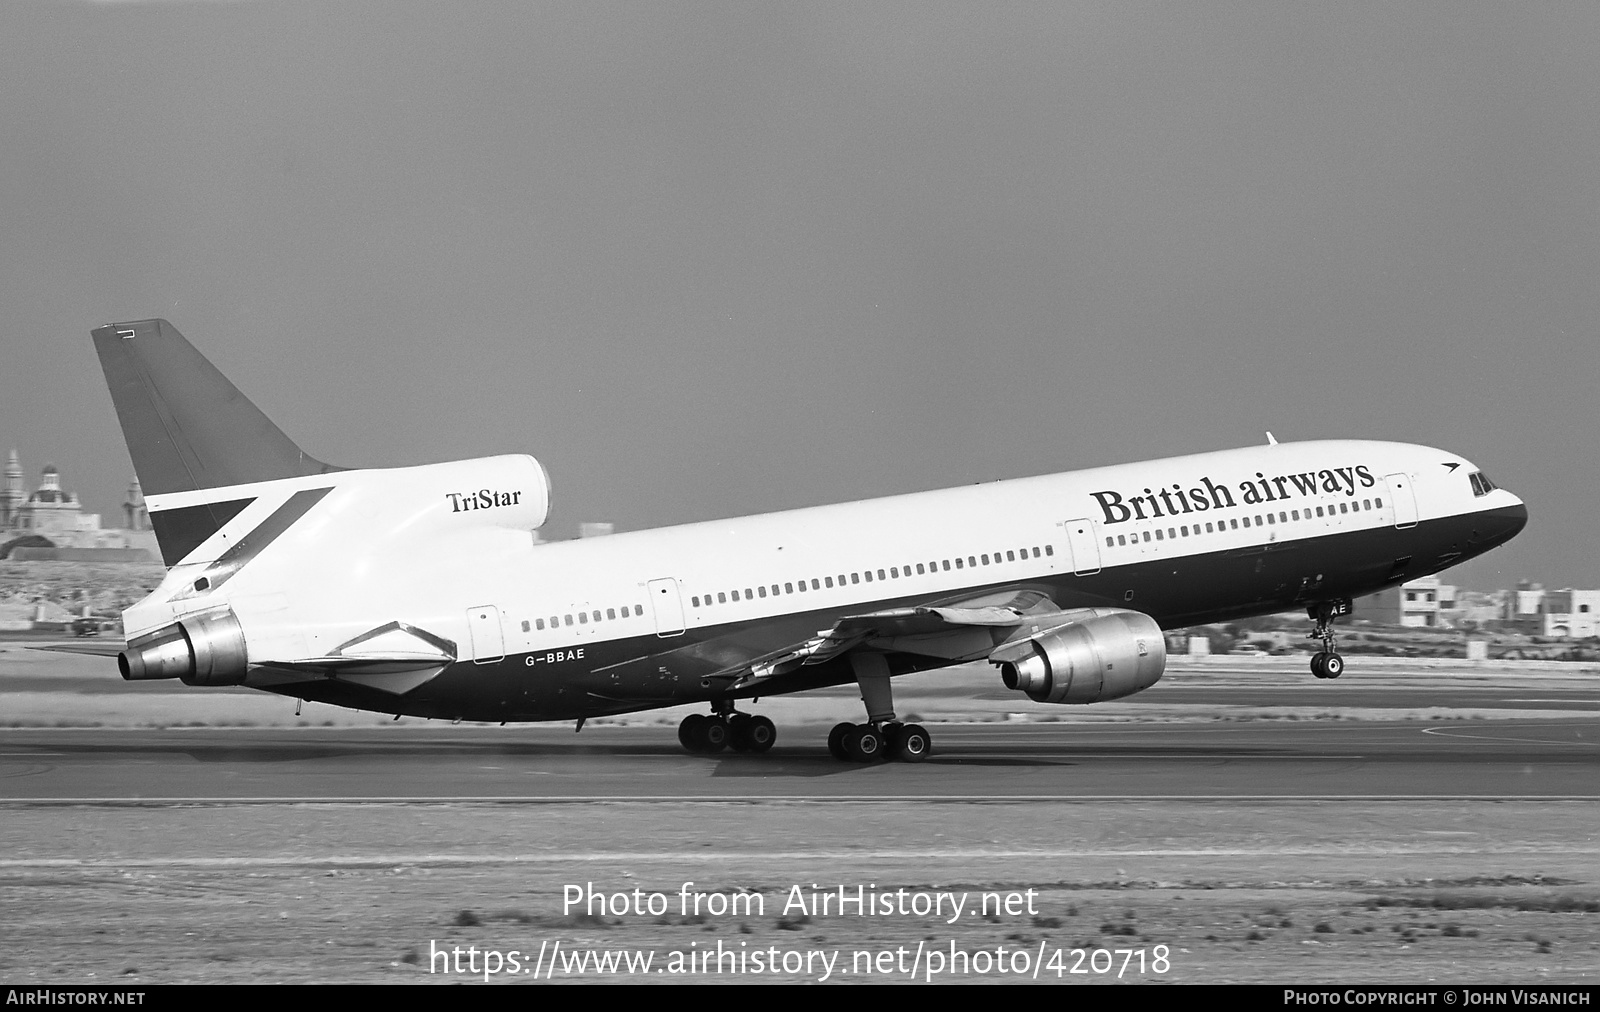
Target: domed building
56, 515
51, 510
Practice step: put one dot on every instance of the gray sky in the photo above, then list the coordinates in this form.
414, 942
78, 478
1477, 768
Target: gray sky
712, 259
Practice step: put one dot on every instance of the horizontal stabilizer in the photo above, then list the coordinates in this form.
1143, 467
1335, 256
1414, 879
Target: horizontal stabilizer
99, 648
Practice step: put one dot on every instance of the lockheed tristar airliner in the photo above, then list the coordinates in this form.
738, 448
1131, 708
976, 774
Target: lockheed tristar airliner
425, 590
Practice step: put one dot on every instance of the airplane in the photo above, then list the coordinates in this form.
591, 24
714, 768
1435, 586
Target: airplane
426, 591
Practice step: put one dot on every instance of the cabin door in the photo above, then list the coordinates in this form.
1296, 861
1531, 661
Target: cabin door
1085, 547
1403, 499
488, 644
667, 604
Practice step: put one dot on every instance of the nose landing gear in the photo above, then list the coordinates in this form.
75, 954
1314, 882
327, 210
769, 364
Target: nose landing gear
1326, 663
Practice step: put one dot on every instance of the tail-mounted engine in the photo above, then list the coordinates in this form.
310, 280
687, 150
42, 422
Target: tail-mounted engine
204, 649
1105, 654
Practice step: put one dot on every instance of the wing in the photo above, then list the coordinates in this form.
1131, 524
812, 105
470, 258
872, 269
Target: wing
949, 632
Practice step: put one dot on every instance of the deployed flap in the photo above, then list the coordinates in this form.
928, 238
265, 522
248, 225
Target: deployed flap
926, 630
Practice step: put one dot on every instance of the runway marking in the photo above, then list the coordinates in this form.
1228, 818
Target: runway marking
750, 799
1445, 732
702, 855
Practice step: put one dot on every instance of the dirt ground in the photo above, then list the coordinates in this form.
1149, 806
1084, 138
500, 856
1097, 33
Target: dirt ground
1086, 892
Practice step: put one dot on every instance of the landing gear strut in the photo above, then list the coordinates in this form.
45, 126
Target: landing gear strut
882, 736
710, 733
1326, 663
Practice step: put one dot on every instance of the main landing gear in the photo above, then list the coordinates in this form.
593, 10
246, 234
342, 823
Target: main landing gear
1326, 663
866, 743
882, 736
709, 733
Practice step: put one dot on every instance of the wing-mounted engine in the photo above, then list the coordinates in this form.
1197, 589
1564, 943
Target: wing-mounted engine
1098, 654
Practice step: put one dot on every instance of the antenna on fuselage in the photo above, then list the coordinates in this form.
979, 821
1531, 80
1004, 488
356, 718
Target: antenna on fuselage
1271, 439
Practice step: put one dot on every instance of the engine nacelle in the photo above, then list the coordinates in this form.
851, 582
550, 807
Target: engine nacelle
204, 649
1107, 654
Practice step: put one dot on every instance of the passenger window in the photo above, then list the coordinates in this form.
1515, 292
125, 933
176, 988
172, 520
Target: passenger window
1343, 508
1147, 535
817, 586
569, 620
1235, 524
947, 565
868, 575
597, 614
855, 577
788, 588
1108, 541
612, 612
1158, 534
1378, 503
958, 562
638, 609
1122, 539
1049, 549
1366, 504
1271, 519
774, 590
583, 618
829, 581
762, 591
722, 598
919, 569
894, 572
1011, 556
1036, 552
1247, 521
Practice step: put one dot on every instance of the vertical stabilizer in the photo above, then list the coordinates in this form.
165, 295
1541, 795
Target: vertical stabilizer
189, 429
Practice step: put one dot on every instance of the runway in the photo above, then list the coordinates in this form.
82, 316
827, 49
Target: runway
1406, 826
1259, 760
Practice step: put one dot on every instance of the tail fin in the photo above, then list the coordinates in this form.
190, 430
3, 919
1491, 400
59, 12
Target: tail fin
188, 429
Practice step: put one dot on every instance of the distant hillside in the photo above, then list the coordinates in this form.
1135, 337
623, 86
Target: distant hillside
103, 586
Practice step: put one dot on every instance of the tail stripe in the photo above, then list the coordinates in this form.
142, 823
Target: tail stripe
180, 531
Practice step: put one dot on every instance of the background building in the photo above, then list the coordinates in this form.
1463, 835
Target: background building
1417, 603
1570, 614
49, 522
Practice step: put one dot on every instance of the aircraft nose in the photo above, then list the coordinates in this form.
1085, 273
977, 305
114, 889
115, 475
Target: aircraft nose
1507, 522
1516, 519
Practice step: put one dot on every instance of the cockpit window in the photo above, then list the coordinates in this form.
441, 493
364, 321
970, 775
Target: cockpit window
1481, 485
